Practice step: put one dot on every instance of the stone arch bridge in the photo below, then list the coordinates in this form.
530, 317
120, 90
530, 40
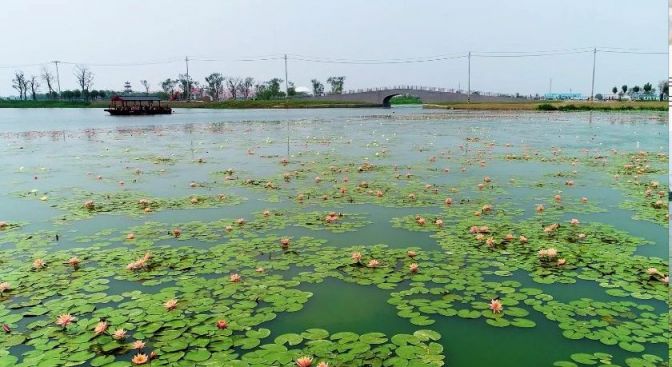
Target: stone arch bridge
382, 96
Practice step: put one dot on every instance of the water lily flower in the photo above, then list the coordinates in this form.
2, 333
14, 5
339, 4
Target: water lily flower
439, 222
193, 184
413, 268
420, 221
235, 277
130, 236
574, 222
522, 239
177, 232
487, 179
222, 324
484, 229
138, 344
448, 201
557, 198
119, 334
487, 208
540, 208
508, 237
259, 270
356, 256
266, 213
65, 319
473, 229
373, 263
74, 261
480, 237
411, 254
99, 177
481, 186
100, 328
490, 242
317, 179
194, 200
140, 358
496, 306
284, 242
3, 224
652, 271
665, 279
240, 221
44, 198
304, 362
323, 364
562, 262
6, 328
379, 193
39, 264
5, 286
170, 304
569, 183
143, 202
584, 199
551, 228
411, 196
89, 204
228, 228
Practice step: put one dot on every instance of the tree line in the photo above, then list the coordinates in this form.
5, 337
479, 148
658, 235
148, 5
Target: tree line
637, 92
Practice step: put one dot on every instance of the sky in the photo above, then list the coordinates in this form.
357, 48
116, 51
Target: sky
104, 34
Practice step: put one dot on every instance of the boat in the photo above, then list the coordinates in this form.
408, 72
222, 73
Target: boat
137, 105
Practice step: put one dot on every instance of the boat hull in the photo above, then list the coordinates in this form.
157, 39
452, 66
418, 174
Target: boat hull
118, 112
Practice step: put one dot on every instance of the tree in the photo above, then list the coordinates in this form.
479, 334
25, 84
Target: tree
648, 88
145, 85
94, 94
636, 89
77, 93
336, 83
34, 86
215, 85
599, 96
48, 78
67, 94
84, 79
664, 87
614, 90
624, 88
233, 84
318, 88
291, 89
19, 83
269, 89
168, 86
245, 87
185, 85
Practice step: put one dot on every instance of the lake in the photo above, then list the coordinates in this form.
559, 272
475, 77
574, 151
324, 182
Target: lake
357, 237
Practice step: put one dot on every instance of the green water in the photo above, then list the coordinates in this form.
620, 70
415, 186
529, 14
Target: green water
57, 152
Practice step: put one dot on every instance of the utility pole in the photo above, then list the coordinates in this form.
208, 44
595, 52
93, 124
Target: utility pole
550, 86
592, 85
286, 81
469, 78
58, 78
186, 61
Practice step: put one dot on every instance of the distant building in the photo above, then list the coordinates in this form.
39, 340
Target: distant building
563, 96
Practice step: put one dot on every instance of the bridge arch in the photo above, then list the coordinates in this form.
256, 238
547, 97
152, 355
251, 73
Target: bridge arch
387, 100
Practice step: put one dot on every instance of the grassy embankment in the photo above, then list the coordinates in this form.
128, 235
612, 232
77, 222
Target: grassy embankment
292, 103
555, 106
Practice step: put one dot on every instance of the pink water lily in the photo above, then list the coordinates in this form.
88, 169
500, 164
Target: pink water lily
119, 334
373, 263
304, 362
5, 286
356, 256
413, 268
496, 306
100, 328
170, 304
138, 344
65, 319
235, 277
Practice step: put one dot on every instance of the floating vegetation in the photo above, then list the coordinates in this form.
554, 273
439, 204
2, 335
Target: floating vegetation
513, 258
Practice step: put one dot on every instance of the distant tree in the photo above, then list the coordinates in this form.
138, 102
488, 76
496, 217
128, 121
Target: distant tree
291, 89
168, 86
67, 94
664, 86
599, 96
614, 90
245, 87
102, 93
84, 79
77, 93
34, 86
94, 94
48, 78
318, 87
19, 83
624, 88
269, 89
145, 84
648, 88
336, 83
636, 89
233, 85
185, 85
215, 85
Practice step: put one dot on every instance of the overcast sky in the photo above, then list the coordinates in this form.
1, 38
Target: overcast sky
132, 31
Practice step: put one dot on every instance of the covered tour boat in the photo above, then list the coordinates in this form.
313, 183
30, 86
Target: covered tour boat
137, 105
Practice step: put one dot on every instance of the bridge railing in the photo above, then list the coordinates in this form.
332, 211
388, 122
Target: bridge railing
428, 89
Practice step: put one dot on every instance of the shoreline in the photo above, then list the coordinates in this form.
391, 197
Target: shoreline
555, 106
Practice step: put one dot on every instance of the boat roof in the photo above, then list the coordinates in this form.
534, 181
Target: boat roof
135, 98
